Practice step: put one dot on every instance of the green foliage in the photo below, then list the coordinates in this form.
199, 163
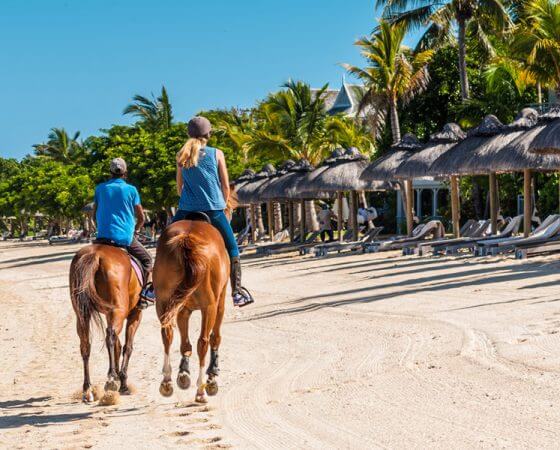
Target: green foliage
153, 113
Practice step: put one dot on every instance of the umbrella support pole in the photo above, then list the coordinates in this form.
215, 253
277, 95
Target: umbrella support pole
493, 192
253, 216
527, 207
302, 223
270, 214
340, 221
291, 220
353, 216
409, 203
455, 206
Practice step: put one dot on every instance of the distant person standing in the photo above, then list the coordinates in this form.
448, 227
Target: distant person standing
326, 217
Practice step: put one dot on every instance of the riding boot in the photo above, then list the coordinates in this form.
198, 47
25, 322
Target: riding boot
147, 295
241, 296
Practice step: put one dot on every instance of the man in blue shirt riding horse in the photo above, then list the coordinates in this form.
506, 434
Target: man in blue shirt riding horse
119, 217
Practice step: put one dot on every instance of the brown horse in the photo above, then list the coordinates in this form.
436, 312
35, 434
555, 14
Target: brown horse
191, 273
102, 281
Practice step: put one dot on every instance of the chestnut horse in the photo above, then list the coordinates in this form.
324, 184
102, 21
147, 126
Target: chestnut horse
102, 281
191, 273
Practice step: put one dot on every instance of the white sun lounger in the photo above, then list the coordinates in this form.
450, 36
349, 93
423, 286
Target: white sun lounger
468, 230
433, 229
511, 229
549, 228
338, 247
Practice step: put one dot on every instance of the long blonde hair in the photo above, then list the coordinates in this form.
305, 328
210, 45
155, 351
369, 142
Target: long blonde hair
189, 153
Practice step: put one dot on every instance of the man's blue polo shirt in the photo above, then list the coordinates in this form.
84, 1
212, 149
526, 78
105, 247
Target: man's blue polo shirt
115, 200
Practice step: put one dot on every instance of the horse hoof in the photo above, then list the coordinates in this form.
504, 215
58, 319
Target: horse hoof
200, 398
183, 380
166, 388
87, 397
212, 388
124, 391
111, 385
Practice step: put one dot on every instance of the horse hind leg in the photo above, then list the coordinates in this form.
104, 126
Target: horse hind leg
85, 349
183, 377
215, 340
114, 327
132, 324
166, 386
208, 319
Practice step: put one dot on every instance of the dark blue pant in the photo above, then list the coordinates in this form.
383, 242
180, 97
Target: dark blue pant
220, 221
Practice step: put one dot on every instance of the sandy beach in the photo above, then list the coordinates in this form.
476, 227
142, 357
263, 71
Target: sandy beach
361, 351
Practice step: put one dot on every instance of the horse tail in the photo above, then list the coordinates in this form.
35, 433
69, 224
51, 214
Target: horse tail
87, 302
195, 262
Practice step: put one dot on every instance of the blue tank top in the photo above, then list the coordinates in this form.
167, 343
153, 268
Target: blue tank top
201, 184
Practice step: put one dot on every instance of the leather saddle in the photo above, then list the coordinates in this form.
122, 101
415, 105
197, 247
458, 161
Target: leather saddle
196, 216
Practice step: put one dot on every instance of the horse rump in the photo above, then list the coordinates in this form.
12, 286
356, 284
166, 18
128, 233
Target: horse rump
87, 302
195, 263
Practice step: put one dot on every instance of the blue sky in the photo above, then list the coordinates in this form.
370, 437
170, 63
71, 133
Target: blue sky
77, 63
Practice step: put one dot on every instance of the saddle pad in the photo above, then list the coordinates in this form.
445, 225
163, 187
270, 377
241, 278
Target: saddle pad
137, 269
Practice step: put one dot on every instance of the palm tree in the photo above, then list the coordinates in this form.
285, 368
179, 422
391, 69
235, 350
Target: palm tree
293, 123
345, 132
60, 146
481, 18
536, 40
155, 113
394, 73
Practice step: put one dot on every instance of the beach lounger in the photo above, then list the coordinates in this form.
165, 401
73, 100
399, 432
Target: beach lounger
470, 229
523, 251
286, 247
431, 230
548, 229
338, 247
511, 229
373, 246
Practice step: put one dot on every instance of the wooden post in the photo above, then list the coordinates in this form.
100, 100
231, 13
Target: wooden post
493, 202
253, 223
302, 223
455, 206
527, 207
353, 220
270, 214
409, 203
291, 220
340, 222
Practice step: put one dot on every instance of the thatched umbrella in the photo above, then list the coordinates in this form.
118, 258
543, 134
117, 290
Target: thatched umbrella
339, 173
385, 168
285, 188
532, 151
248, 194
476, 155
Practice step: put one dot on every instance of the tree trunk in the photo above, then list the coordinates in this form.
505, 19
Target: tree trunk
277, 211
395, 126
462, 29
340, 221
302, 227
311, 216
493, 194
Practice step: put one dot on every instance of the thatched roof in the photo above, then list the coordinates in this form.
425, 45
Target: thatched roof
532, 149
457, 160
340, 172
248, 192
384, 168
285, 186
548, 140
419, 163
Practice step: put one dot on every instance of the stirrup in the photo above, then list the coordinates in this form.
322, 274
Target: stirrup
246, 295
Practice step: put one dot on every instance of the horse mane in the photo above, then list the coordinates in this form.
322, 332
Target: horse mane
232, 202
